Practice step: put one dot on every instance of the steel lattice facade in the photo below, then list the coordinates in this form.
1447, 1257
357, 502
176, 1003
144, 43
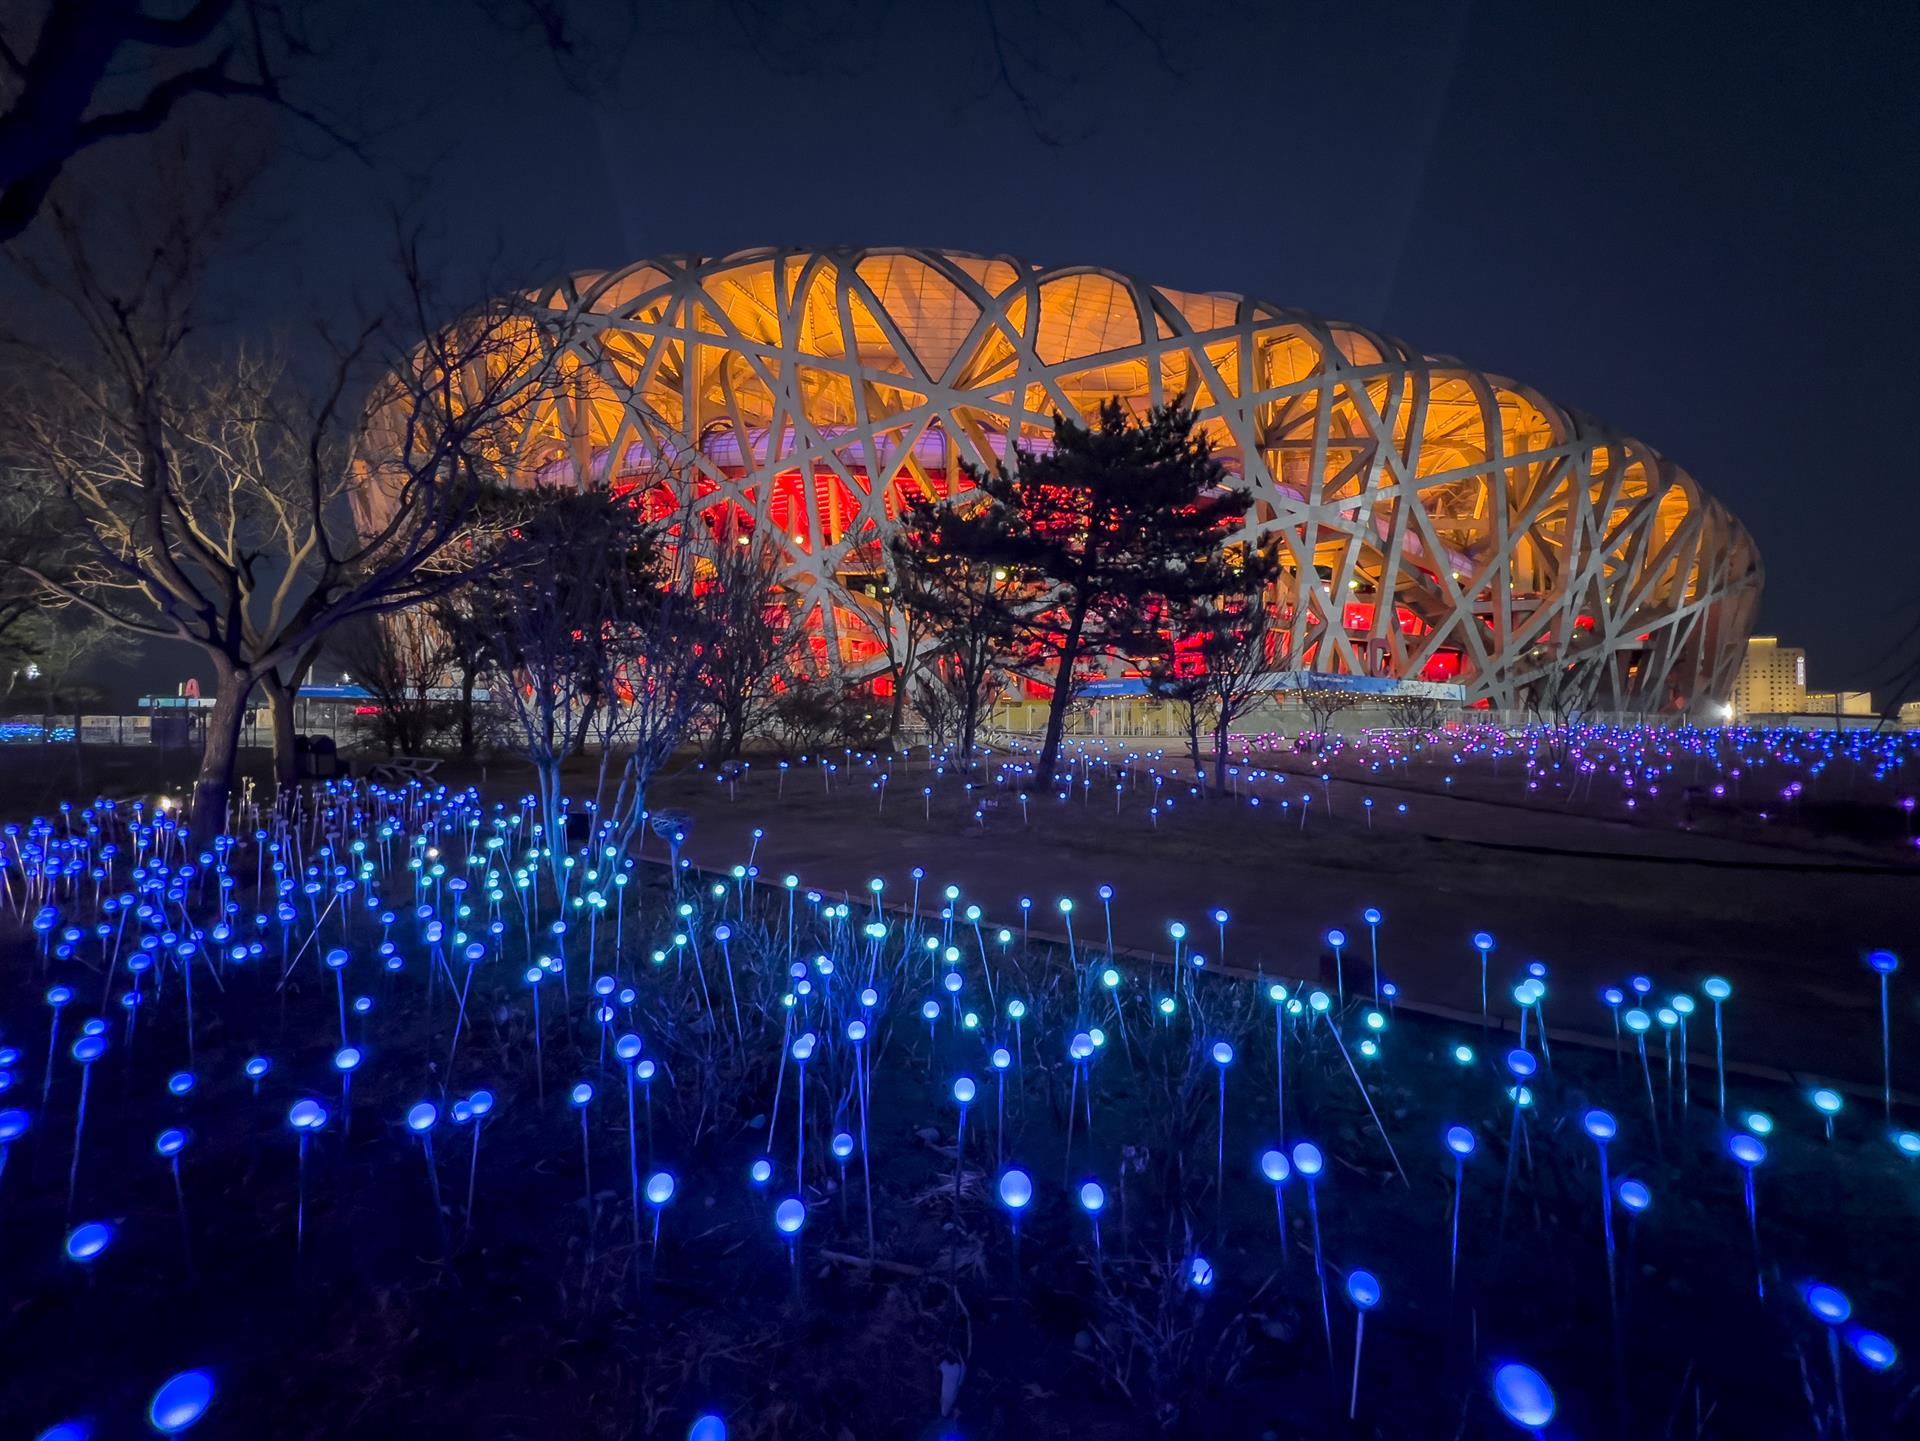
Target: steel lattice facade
1435, 522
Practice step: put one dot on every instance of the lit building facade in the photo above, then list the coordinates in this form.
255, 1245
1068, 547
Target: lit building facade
1840, 703
1772, 679
1434, 522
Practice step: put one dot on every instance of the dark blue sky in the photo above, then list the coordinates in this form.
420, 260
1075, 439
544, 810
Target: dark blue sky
1698, 221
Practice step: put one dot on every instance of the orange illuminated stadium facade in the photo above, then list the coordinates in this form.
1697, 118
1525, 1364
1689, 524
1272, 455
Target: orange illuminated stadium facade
1435, 522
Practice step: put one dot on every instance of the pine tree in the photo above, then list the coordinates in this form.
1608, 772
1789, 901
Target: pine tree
1099, 533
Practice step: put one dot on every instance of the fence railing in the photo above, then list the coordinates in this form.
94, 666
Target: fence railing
1129, 718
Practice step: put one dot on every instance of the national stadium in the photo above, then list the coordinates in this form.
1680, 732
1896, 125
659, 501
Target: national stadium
1438, 525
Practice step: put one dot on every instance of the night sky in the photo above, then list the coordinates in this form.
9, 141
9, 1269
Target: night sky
1699, 222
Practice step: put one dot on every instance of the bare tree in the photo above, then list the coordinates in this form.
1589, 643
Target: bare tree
1212, 656
62, 645
398, 660
545, 610
223, 499
1420, 713
467, 650
1323, 703
972, 610
757, 640
656, 645
902, 612
597, 629
78, 74
1178, 680
1560, 694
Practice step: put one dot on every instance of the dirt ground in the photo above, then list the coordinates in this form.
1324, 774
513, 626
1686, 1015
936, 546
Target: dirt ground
1787, 917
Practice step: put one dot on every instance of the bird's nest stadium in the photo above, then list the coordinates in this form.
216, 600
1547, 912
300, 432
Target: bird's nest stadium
1434, 522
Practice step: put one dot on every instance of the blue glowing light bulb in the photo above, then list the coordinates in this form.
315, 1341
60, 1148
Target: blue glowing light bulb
1363, 1289
306, 1115
1829, 1306
1523, 1394
1874, 1351
1461, 1141
86, 1242
1016, 1189
180, 1401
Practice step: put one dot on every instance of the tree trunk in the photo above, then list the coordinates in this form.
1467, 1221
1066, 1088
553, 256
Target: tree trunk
467, 678
1062, 696
898, 713
280, 697
1220, 752
969, 723
729, 737
214, 785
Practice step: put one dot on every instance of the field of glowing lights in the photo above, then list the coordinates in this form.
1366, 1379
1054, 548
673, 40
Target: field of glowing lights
1475, 1087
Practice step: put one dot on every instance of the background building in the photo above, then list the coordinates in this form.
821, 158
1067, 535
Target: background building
1436, 523
1840, 703
1772, 679
1771, 685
